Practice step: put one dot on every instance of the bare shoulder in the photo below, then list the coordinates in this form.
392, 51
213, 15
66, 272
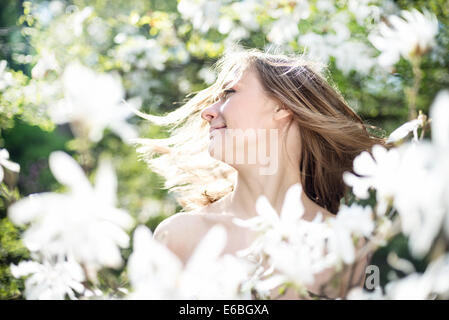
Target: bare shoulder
181, 232
177, 222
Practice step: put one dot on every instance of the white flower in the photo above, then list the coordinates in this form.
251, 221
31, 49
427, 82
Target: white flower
325, 6
353, 55
152, 268
405, 129
295, 247
156, 273
409, 36
317, 46
4, 162
349, 54
353, 220
77, 19
282, 224
358, 293
83, 223
202, 14
412, 287
439, 113
419, 198
363, 9
420, 286
413, 177
91, 103
283, 30
6, 78
47, 61
50, 280
410, 178
246, 11
434, 282
208, 275
237, 34
225, 25
142, 53
207, 75
376, 173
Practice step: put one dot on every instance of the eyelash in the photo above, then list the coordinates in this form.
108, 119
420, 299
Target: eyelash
226, 92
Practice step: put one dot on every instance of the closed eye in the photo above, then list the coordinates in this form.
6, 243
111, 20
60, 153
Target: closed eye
226, 92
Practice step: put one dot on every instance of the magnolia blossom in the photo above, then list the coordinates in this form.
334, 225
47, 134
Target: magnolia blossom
4, 162
376, 172
405, 129
50, 280
83, 223
316, 46
413, 177
45, 12
92, 102
353, 55
439, 113
270, 222
156, 273
349, 54
47, 61
434, 282
202, 14
409, 36
246, 11
283, 30
142, 53
208, 275
6, 78
297, 249
77, 19
363, 9
207, 75
152, 268
354, 220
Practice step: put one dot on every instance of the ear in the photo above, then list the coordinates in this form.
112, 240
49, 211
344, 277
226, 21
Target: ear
281, 113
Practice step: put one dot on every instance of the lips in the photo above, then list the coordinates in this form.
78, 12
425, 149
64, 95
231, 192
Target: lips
216, 128
212, 129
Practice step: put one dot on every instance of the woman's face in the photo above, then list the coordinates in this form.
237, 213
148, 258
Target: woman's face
242, 111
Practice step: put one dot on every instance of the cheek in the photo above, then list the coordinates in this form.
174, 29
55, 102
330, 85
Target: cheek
233, 112
244, 113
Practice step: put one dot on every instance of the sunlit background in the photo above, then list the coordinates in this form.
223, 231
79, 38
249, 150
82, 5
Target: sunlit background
69, 70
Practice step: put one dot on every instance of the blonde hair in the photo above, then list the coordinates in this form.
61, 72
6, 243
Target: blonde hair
332, 134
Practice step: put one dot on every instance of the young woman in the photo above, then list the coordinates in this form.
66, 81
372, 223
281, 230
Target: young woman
316, 137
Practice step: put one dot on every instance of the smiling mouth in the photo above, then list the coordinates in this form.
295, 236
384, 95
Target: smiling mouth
215, 129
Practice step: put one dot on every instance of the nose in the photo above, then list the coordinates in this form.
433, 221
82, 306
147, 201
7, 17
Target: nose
211, 112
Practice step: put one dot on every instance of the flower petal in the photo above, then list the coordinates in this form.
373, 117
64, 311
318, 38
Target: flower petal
68, 172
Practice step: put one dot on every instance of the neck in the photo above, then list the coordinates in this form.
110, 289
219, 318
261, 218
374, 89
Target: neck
251, 184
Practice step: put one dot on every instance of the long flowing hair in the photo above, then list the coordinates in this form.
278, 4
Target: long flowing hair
331, 133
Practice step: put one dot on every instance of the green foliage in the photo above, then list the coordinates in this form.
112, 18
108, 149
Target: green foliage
11, 251
30, 146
